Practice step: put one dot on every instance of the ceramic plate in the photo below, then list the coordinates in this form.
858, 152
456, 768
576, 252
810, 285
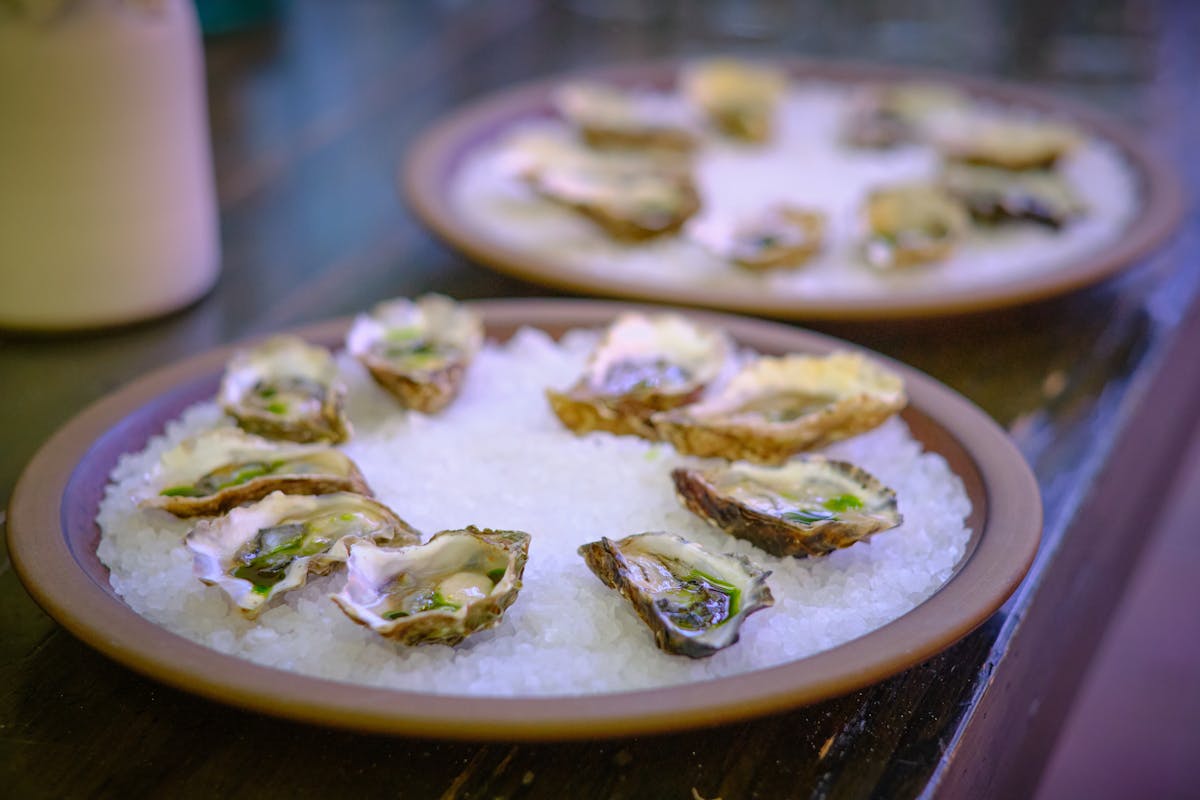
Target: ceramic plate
53, 537
434, 164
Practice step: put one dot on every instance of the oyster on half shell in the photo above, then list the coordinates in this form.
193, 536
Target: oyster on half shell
693, 600
611, 117
287, 389
439, 592
782, 236
776, 407
994, 195
911, 224
217, 470
631, 199
642, 365
1012, 144
418, 351
882, 117
807, 507
740, 98
258, 552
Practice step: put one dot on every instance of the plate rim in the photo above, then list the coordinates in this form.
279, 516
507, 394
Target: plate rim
421, 171
1007, 543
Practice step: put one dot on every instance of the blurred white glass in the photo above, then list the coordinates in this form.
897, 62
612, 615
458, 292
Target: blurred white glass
107, 205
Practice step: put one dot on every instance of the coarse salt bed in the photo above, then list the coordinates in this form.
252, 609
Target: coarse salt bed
499, 458
804, 164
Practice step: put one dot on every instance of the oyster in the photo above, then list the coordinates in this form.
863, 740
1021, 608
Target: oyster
609, 117
783, 236
215, 471
807, 507
739, 98
911, 224
630, 199
693, 600
1007, 143
881, 117
776, 407
642, 365
417, 351
998, 195
258, 552
288, 389
443, 591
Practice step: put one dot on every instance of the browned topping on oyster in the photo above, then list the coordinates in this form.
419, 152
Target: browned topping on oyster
911, 224
998, 195
440, 592
216, 471
693, 600
609, 117
419, 351
631, 199
783, 236
1008, 144
642, 365
287, 389
881, 117
739, 98
807, 507
777, 407
258, 552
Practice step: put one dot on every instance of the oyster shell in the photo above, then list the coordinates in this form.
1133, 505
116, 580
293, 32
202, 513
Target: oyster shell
911, 224
258, 552
288, 389
882, 117
776, 407
609, 117
218, 470
997, 195
1007, 143
630, 199
443, 591
643, 364
807, 507
783, 236
419, 351
739, 98
693, 600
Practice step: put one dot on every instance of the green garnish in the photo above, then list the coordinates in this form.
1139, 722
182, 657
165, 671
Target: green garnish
843, 502
267, 391
495, 575
266, 559
347, 517
402, 334
277, 408
181, 491
397, 614
261, 589
807, 516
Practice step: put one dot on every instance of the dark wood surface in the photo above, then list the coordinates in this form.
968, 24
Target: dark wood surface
310, 117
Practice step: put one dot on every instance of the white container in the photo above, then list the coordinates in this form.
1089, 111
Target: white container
107, 207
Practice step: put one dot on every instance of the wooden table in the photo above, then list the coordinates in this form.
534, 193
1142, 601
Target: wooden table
309, 120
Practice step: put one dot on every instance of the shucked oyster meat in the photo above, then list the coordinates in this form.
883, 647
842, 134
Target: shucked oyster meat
419, 351
776, 407
643, 364
740, 98
911, 224
443, 591
780, 237
807, 507
994, 195
693, 601
288, 389
215, 471
632, 199
608, 116
258, 552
